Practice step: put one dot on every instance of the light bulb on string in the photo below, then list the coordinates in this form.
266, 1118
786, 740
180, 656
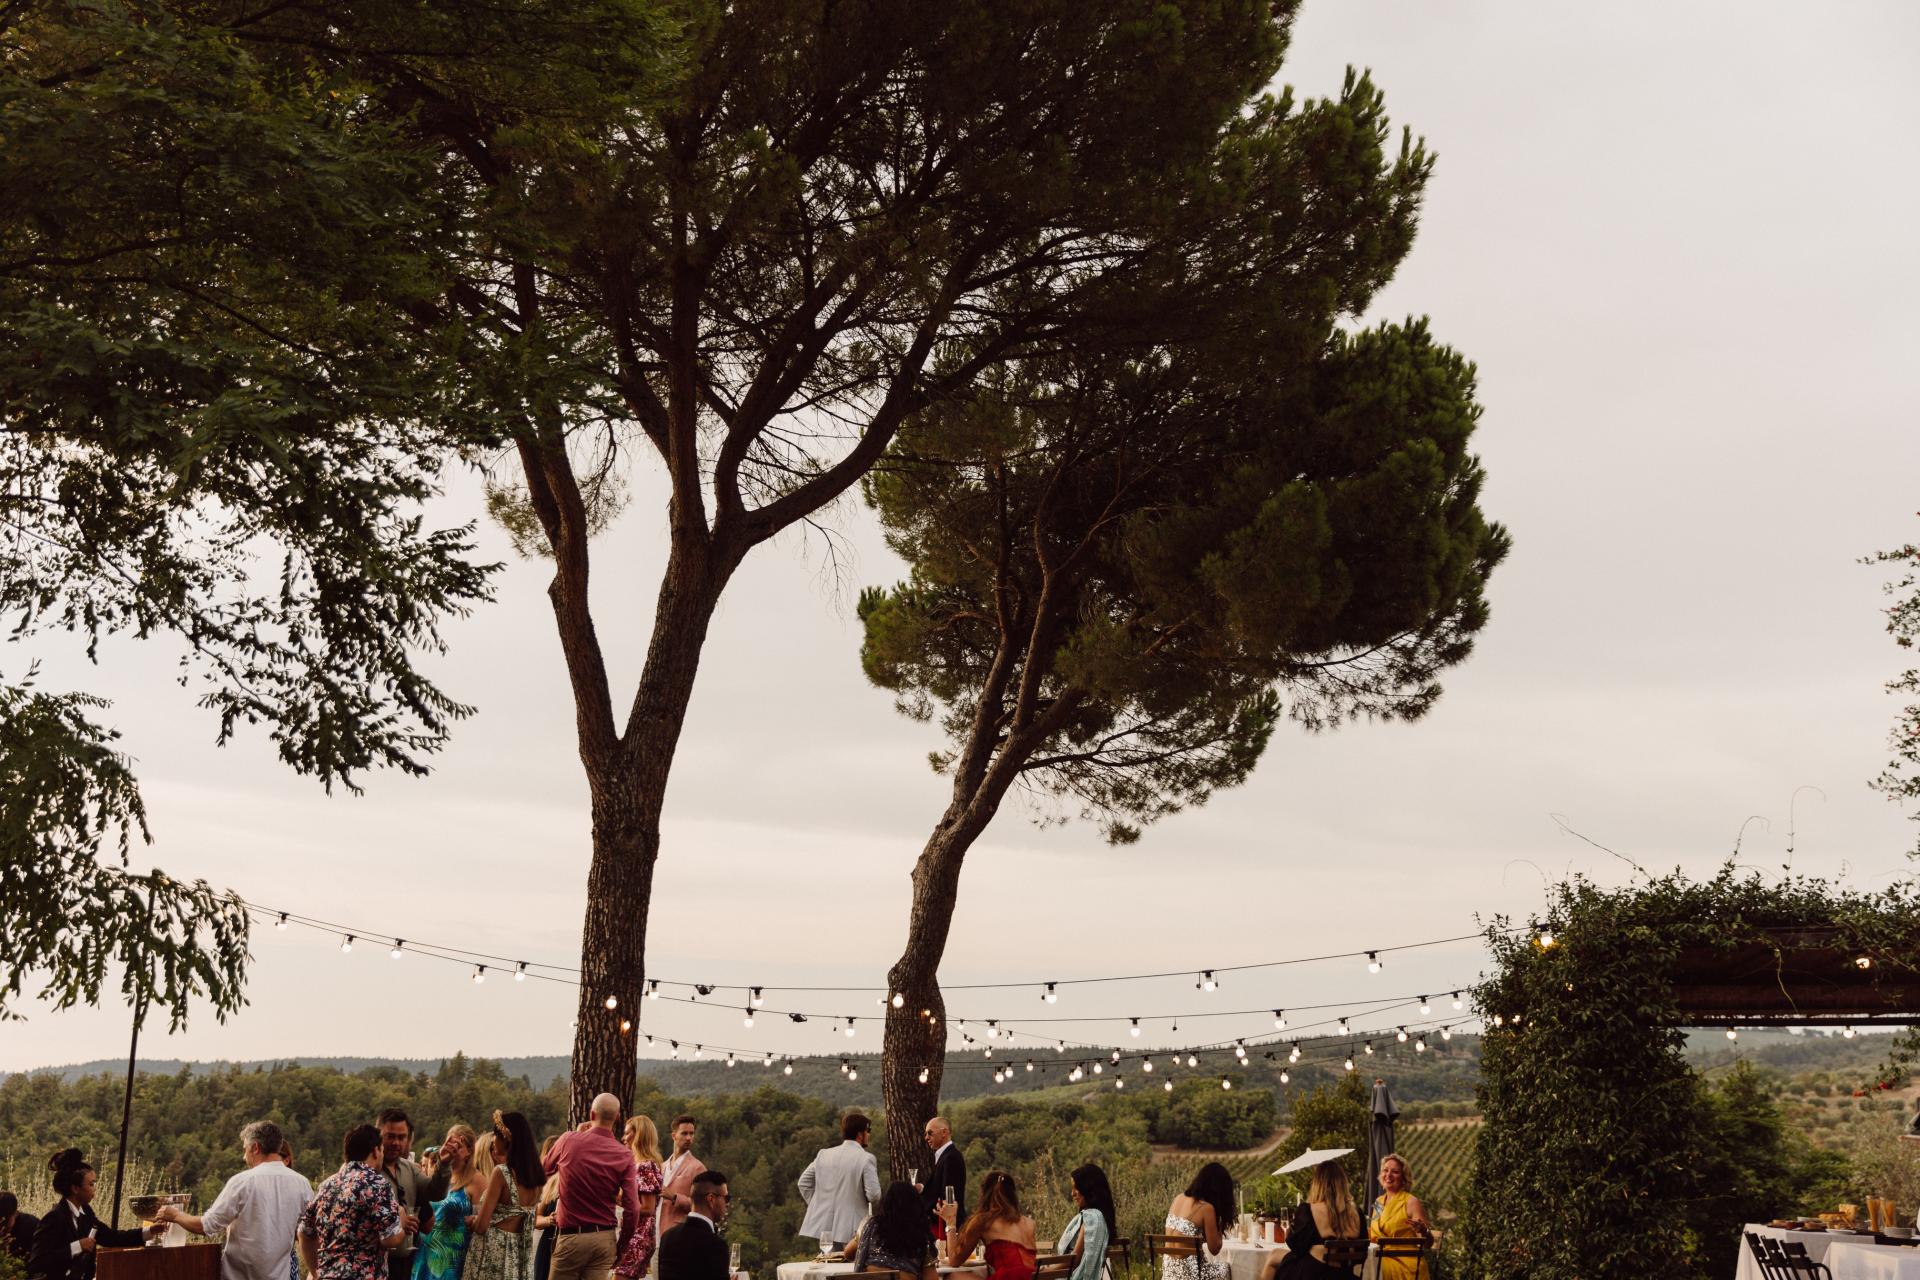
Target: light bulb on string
612, 1002
758, 1000
520, 974
479, 974
281, 923
1134, 1030
1098, 1068
1847, 1034
653, 988
1029, 1064
699, 1051
398, 943
899, 1001
729, 1057
1279, 1019
1401, 1036
1547, 940
1168, 1086
923, 1075
673, 1048
1373, 962
1293, 1055
849, 1031
993, 1029
844, 1064
1343, 1025
768, 1062
346, 944
1446, 1033
1456, 1000
1284, 1078
1225, 1083
988, 1051
1116, 1056
1349, 1062
1193, 1060
1733, 1033
788, 1069
1147, 1066
1050, 995
747, 1019
1206, 982
1369, 1047
625, 1026
1420, 1045
1425, 1007
854, 1074
1863, 962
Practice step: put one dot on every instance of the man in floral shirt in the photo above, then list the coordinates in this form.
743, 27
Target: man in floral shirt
353, 1218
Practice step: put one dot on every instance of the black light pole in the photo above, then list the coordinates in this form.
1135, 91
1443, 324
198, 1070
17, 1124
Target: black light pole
126, 1106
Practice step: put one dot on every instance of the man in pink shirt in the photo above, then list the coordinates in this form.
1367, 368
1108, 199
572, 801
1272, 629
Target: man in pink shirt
596, 1172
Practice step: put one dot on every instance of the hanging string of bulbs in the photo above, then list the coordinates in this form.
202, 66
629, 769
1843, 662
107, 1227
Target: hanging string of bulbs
754, 1003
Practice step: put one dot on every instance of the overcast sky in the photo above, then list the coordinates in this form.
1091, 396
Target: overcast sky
1678, 241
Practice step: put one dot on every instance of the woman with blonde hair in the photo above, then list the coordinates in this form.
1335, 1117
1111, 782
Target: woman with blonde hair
998, 1224
644, 1141
442, 1254
1399, 1215
1331, 1216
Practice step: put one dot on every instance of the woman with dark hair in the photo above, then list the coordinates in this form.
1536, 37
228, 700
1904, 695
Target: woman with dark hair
508, 1169
998, 1224
895, 1238
68, 1234
1092, 1228
1200, 1211
544, 1215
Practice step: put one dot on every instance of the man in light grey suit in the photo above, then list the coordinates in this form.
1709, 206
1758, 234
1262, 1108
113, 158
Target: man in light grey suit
841, 1186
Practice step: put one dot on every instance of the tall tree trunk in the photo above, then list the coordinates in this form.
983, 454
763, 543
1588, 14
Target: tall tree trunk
916, 1032
629, 788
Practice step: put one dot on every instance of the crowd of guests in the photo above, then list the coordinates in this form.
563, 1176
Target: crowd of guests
602, 1202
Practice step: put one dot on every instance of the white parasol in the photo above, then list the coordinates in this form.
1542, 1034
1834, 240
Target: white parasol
1308, 1159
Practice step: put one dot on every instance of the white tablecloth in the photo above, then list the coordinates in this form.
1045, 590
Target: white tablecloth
1851, 1260
809, 1269
1816, 1242
1245, 1258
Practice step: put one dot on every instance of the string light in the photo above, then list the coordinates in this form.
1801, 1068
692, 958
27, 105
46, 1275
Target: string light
1456, 1000
613, 1002
1283, 1077
1119, 1083
1548, 941
1134, 1030
899, 1001
1732, 1034
625, 1026
1192, 1060
788, 1069
1420, 1045
1344, 1028
479, 974
1029, 1064
923, 1075
1206, 982
1425, 1008
1349, 1062
653, 988
1168, 1086
1225, 1083
346, 944
1369, 1048
849, 1031
1847, 1034
729, 1057
993, 1029
1294, 1056
1147, 1066
747, 1020
520, 974
1097, 1068
397, 944
281, 923
1446, 1033
1402, 1036
758, 999
1116, 1057
1279, 1019
1373, 962
768, 1062
1050, 995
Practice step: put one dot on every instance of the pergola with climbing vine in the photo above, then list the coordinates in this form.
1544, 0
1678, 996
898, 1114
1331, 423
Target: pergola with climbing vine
1591, 1111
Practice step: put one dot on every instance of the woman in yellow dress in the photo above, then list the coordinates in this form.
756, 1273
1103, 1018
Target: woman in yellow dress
1399, 1215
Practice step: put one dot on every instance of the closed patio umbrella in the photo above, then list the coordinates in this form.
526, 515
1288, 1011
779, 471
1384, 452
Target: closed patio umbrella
1379, 1138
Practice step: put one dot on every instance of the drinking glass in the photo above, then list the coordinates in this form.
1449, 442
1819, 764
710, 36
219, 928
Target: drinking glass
733, 1257
913, 1177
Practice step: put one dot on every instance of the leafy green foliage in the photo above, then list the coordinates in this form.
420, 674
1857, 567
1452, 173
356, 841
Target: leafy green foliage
68, 918
1600, 1148
1118, 549
1901, 778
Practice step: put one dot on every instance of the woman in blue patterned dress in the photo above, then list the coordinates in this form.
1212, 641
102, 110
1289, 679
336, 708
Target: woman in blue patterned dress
443, 1250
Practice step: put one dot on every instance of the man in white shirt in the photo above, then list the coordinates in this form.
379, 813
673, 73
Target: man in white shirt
841, 1186
259, 1209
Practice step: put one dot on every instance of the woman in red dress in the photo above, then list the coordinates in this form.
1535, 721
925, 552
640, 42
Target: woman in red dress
997, 1224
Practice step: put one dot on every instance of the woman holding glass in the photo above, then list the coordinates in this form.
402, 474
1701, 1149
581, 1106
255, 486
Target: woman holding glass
1005, 1233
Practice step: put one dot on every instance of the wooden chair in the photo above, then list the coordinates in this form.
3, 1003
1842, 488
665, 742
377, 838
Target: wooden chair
1170, 1245
1799, 1263
1053, 1267
1763, 1256
1345, 1253
1120, 1255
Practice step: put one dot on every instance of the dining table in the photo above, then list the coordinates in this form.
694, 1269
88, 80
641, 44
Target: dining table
1859, 1258
814, 1269
1816, 1243
1244, 1258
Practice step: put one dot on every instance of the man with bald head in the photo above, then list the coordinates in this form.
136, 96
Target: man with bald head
949, 1171
596, 1172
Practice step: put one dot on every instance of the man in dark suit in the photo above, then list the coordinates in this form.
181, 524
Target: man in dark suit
694, 1250
949, 1170
63, 1247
